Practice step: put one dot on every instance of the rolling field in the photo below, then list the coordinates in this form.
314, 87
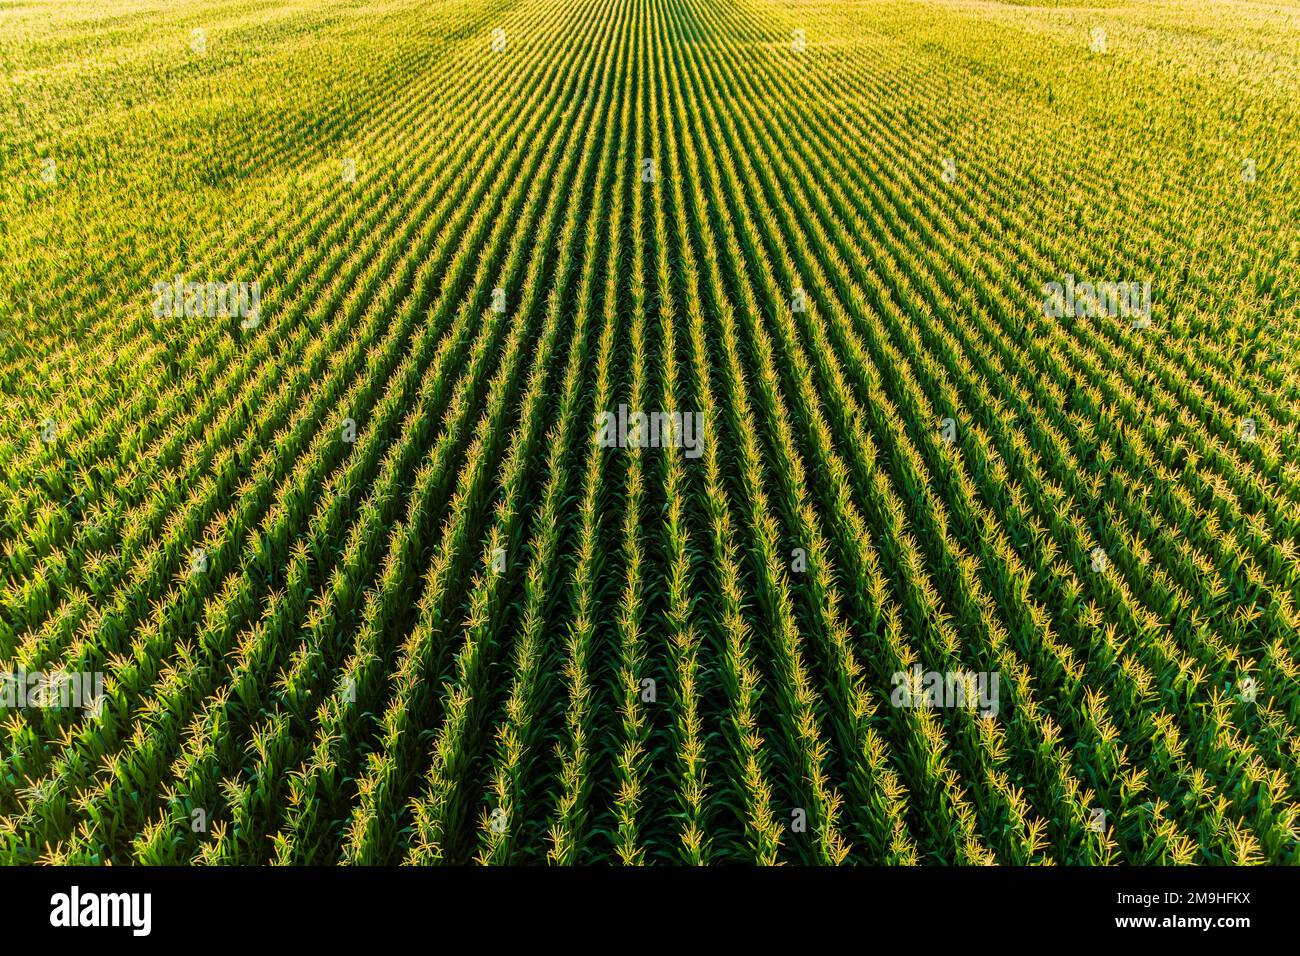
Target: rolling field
649, 431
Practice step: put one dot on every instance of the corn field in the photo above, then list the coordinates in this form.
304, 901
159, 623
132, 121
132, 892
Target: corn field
649, 432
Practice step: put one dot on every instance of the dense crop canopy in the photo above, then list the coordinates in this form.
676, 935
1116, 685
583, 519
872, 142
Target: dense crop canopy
649, 431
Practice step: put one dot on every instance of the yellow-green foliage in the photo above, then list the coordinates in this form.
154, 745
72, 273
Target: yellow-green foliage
364, 579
